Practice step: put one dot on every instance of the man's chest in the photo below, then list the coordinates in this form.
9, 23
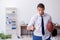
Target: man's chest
38, 22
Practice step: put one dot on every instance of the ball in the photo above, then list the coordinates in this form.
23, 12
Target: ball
50, 26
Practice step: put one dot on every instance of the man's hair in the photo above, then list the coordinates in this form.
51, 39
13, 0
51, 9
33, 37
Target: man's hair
41, 5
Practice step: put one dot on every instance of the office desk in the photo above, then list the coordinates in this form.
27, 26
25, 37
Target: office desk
24, 30
57, 27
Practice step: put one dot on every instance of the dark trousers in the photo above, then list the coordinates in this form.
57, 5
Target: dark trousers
38, 38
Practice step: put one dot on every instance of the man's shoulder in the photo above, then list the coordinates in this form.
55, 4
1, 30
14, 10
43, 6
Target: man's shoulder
34, 16
46, 14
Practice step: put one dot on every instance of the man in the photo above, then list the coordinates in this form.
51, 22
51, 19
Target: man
38, 24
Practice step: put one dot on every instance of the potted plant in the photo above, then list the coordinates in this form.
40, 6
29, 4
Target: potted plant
4, 37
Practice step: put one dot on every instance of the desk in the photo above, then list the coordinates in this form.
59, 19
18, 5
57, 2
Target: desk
57, 27
24, 30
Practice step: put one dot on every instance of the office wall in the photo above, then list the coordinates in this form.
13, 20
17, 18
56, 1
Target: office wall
27, 8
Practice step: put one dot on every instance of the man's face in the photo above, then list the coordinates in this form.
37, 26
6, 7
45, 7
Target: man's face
40, 10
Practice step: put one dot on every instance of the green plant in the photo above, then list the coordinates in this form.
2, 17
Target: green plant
3, 36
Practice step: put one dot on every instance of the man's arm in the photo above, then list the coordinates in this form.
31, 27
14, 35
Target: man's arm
31, 24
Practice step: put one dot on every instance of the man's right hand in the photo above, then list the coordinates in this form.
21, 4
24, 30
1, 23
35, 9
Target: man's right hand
31, 28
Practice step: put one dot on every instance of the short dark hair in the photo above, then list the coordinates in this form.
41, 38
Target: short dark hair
41, 5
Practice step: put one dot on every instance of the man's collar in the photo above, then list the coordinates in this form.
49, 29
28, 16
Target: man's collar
40, 15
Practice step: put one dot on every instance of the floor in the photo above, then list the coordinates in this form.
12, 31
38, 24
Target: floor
30, 38
26, 37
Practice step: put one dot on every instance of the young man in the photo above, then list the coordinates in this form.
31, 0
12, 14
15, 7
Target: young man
38, 24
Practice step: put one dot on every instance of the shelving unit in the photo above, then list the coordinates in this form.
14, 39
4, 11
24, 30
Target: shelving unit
11, 20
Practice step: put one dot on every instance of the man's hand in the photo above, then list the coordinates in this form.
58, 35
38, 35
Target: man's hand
31, 28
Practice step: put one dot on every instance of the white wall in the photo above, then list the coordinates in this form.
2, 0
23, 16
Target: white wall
27, 8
